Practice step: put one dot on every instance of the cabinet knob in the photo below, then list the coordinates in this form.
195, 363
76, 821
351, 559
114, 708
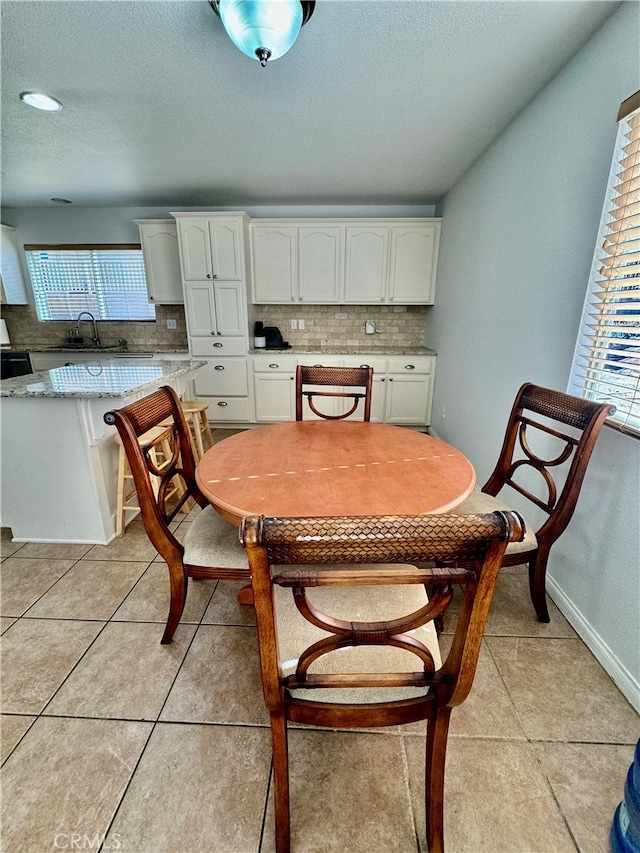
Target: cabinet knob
274, 365
217, 344
391, 379
409, 367
391, 299
293, 299
208, 275
213, 333
214, 276
151, 298
219, 367
382, 299
222, 403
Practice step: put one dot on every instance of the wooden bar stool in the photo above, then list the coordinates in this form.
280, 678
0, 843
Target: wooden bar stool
195, 413
160, 454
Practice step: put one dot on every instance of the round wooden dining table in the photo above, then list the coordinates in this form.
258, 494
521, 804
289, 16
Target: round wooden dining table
322, 468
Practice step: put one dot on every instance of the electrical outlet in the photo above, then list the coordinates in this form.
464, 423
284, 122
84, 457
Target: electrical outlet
294, 324
369, 327
301, 324
172, 324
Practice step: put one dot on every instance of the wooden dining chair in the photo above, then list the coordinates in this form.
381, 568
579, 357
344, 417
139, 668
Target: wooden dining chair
345, 630
344, 377
211, 548
540, 414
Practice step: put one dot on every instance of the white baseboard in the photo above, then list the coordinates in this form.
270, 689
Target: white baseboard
623, 679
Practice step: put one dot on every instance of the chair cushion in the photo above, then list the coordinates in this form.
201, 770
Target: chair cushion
213, 541
353, 603
479, 502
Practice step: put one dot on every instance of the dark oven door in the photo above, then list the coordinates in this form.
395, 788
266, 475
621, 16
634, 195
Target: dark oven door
15, 364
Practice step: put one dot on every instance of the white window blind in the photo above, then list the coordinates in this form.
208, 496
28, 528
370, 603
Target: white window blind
107, 280
606, 365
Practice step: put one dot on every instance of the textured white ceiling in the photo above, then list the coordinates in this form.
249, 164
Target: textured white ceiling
377, 102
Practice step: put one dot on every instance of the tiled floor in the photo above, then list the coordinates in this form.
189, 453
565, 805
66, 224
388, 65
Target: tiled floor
108, 734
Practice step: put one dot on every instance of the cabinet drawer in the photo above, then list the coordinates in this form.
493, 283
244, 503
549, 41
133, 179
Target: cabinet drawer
379, 364
227, 409
221, 377
411, 364
218, 346
274, 363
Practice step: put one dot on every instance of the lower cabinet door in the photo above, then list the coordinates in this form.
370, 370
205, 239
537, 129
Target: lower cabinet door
408, 399
274, 396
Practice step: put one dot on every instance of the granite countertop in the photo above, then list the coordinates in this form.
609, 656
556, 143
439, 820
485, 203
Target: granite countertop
85, 350
109, 378
344, 349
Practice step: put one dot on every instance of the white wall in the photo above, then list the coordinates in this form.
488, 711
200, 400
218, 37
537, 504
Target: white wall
71, 224
518, 236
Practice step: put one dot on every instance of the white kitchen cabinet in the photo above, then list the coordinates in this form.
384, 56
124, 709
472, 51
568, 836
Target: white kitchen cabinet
413, 263
366, 263
13, 290
320, 264
409, 391
210, 247
273, 252
274, 385
223, 384
379, 388
214, 308
159, 241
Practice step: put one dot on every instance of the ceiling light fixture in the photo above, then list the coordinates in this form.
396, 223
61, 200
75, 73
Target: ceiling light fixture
263, 29
40, 101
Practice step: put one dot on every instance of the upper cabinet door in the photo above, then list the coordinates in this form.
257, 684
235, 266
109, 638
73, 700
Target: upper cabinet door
414, 258
159, 242
225, 239
200, 309
195, 249
229, 308
274, 263
320, 255
366, 263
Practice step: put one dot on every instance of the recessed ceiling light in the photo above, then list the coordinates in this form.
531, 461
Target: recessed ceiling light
40, 101
61, 201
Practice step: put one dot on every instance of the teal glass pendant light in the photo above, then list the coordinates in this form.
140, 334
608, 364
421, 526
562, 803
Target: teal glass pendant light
263, 29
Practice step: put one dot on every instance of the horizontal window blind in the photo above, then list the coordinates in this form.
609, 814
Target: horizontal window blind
108, 281
606, 363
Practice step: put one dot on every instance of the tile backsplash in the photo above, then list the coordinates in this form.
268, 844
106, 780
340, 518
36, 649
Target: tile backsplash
396, 325
25, 330
334, 325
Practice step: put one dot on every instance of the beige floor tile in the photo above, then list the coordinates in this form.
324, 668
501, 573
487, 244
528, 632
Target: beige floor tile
135, 545
560, 691
36, 656
90, 590
53, 550
588, 782
24, 581
66, 778
219, 681
224, 609
148, 601
512, 613
198, 789
126, 674
7, 547
5, 622
487, 712
12, 728
348, 795
496, 799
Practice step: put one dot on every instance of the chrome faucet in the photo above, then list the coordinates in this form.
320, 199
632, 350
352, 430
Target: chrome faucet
96, 336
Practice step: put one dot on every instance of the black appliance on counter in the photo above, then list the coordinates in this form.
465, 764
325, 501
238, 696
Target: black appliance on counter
273, 338
14, 364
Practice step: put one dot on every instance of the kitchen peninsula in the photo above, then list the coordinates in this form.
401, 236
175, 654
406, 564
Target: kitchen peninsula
59, 458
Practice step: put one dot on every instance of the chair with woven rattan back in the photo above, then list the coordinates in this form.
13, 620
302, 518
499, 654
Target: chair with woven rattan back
345, 629
342, 377
542, 415
211, 549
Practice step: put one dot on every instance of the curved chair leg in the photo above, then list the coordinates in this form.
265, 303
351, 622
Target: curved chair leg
437, 731
281, 781
538, 586
178, 583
